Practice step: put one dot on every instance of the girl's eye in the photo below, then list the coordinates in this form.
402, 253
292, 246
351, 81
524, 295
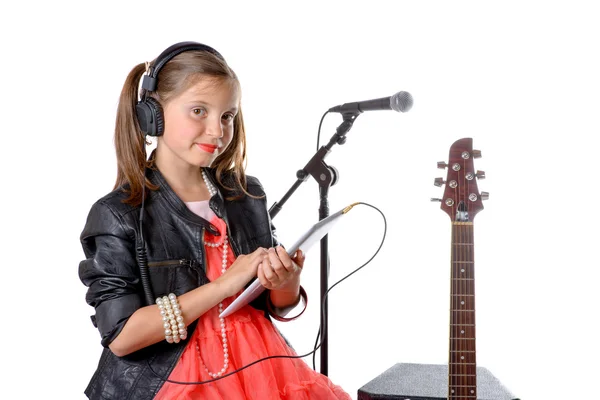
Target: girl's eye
199, 111
228, 117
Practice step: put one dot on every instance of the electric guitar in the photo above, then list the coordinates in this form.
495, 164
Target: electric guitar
462, 201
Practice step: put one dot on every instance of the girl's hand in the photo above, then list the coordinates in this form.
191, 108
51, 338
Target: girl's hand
279, 271
243, 269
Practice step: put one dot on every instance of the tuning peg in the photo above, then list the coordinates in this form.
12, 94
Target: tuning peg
476, 153
434, 199
439, 181
480, 174
485, 196
442, 164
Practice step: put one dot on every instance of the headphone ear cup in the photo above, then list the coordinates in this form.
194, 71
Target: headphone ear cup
150, 117
157, 112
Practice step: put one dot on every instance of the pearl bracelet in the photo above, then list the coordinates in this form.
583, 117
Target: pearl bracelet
173, 323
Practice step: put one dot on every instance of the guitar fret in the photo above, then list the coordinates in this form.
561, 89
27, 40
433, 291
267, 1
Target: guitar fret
462, 244
463, 262
462, 324
462, 351
467, 318
453, 363
463, 279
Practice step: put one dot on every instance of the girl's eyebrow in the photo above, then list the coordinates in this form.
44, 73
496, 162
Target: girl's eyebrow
205, 103
198, 102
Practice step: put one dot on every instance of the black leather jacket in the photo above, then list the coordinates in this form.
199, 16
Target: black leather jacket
172, 235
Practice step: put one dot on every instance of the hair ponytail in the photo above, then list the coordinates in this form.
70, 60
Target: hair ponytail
130, 142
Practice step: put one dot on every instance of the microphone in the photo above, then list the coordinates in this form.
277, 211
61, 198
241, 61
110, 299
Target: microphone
401, 102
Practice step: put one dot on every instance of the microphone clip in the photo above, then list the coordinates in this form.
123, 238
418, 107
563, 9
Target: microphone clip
345, 126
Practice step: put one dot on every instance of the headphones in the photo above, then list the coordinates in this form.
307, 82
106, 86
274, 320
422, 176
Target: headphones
148, 110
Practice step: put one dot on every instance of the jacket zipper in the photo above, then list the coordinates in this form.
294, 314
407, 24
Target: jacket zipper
233, 244
203, 249
183, 261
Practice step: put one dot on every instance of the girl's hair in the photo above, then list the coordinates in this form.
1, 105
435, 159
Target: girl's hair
174, 78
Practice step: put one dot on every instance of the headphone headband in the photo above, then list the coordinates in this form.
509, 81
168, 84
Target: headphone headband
150, 81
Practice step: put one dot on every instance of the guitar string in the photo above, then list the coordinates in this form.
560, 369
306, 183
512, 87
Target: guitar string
451, 373
461, 283
472, 306
469, 317
465, 378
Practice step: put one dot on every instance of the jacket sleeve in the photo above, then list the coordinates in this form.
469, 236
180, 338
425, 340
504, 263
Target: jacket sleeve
273, 230
256, 188
110, 271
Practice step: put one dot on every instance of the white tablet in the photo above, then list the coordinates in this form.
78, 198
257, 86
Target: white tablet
310, 237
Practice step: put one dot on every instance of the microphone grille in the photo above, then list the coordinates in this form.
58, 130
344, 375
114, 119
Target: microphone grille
401, 102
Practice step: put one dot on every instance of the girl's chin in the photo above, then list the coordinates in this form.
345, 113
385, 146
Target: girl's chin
203, 163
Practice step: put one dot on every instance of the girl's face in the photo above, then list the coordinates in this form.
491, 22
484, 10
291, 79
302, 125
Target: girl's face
199, 123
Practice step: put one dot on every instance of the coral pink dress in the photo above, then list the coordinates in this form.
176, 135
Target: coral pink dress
250, 336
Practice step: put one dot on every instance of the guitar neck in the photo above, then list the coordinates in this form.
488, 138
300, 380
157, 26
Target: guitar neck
462, 376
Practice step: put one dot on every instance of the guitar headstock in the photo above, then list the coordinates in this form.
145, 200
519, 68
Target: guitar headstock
461, 200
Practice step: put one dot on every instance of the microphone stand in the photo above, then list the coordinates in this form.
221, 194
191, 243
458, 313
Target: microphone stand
326, 176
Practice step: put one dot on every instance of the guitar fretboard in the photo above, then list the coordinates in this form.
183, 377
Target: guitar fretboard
462, 376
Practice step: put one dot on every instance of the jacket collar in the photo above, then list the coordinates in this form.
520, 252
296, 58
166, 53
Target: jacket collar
177, 205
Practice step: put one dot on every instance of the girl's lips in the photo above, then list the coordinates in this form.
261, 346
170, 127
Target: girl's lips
209, 148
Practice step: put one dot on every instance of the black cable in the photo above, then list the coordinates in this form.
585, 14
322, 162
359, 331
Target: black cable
319, 131
347, 276
323, 315
315, 346
320, 323
322, 318
142, 257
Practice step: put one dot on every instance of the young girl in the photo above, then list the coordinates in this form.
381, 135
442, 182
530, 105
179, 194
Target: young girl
182, 233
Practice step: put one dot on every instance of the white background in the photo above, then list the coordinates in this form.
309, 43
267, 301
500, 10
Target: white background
519, 77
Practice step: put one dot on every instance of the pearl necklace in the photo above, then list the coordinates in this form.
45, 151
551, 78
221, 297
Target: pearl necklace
212, 190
